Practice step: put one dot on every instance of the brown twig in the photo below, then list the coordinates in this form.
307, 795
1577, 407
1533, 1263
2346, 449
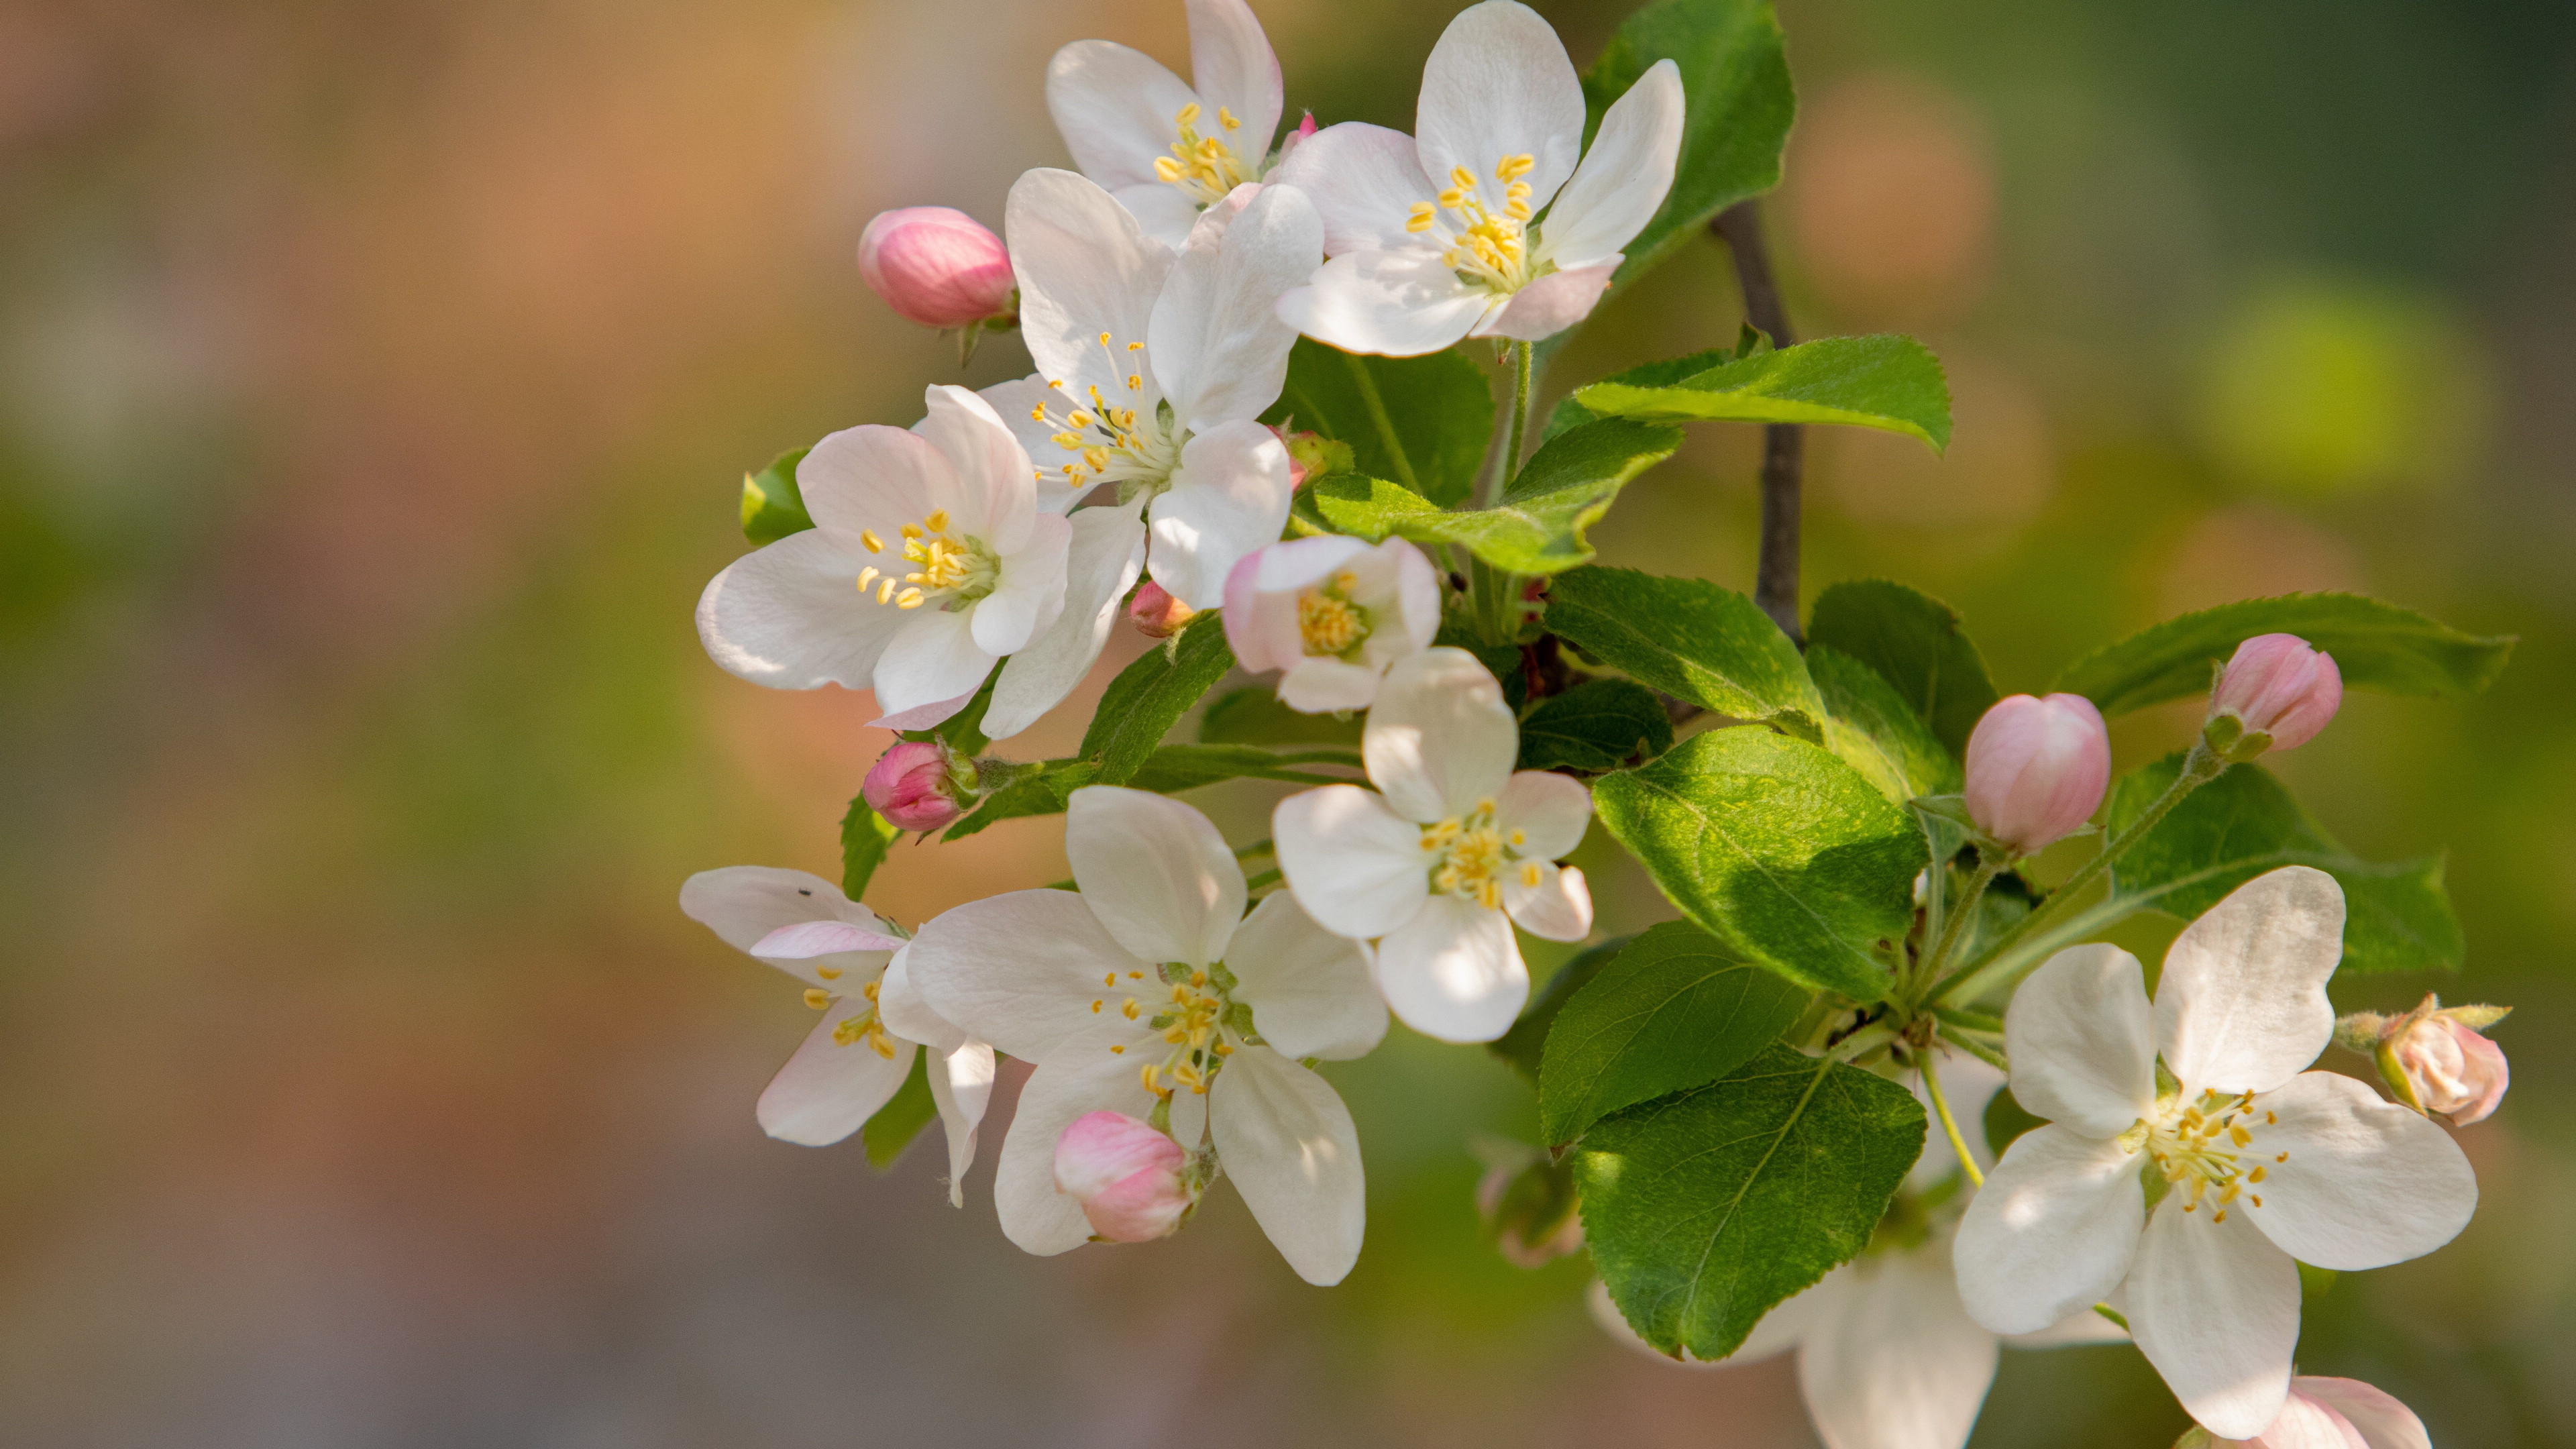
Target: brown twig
1775, 580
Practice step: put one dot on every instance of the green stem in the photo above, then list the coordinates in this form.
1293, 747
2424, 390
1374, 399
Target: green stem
1494, 588
1941, 1104
1988, 867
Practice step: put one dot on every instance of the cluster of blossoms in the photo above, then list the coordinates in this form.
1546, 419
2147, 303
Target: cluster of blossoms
968, 570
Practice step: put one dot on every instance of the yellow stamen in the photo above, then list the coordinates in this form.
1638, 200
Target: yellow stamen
833, 973
868, 539
817, 998
937, 522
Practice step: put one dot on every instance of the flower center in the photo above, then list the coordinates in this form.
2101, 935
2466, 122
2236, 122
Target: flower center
945, 563
1113, 444
1199, 1020
1487, 246
1327, 621
864, 1027
1472, 856
2207, 1150
1205, 168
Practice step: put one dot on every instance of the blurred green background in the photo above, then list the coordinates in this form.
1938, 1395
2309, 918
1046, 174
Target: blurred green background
374, 380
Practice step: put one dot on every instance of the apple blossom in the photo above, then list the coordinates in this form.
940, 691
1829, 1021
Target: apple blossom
1333, 613
2276, 693
1127, 1175
936, 266
1164, 148
2330, 1414
1456, 849
909, 786
1150, 993
852, 963
1436, 236
2258, 1164
2037, 769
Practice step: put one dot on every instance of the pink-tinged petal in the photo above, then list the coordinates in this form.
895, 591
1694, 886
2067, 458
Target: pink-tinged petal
1309, 990
1217, 344
1550, 811
1232, 66
961, 1087
1156, 873
2052, 1231
1453, 972
936, 266
1021, 970
2082, 1041
1106, 554
2241, 1006
1228, 499
1621, 183
1085, 268
2304, 1424
1401, 302
1356, 866
1124, 1173
923, 716
808, 939
1551, 902
1551, 304
878, 478
744, 904
1028, 596
1327, 686
1440, 741
829, 1090
1288, 1145
2037, 768
2377, 1416
2277, 684
1901, 1365
1261, 596
2215, 1307
2366, 1183
790, 616
1365, 182
1115, 107
1499, 84
1035, 1215
933, 657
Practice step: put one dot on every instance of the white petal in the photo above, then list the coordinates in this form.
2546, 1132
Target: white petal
932, 657
828, 1091
1013, 402
908, 1014
994, 475
1356, 866
1106, 555
2215, 1307
1401, 302
1233, 66
745, 904
2383, 1422
881, 478
2367, 1183
1549, 305
1499, 84
1901, 1366
1288, 1143
1084, 269
1116, 108
1623, 178
1228, 499
2241, 1006
1328, 686
1364, 181
1550, 901
1162, 211
961, 1086
1156, 873
1034, 1214
1549, 810
1028, 597
1440, 740
2081, 1038
1453, 972
1020, 970
1309, 990
1216, 341
790, 616
2053, 1230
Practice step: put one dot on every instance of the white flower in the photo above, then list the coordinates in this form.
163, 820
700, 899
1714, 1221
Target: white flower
1333, 613
1437, 236
1151, 985
853, 965
1163, 148
2261, 1164
927, 561
1153, 369
1457, 849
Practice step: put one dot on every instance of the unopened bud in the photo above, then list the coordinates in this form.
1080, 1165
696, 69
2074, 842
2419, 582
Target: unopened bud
912, 787
2274, 694
1156, 614
937, 266
1312, 456
1293, 139
1126, 1175
2323, 1411
1529, 1204
2438, 1061
2037, 769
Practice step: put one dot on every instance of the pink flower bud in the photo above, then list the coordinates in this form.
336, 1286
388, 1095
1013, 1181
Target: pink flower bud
2037, 769
2274, 686
936, 266
1126, 1175
1290, 142
1156, 614
2449, 1068
908, 785
2338, 1412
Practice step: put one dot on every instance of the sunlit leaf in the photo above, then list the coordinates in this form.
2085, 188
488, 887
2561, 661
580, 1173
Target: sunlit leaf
1689, 638
1890, 383
1915, 641
1677, 1009
1419, 422
2375, 646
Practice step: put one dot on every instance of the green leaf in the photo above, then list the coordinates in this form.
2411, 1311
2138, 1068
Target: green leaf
1888, 382
2375, 646
1254, 716
1523, 1045
1916, 641
1044, 790
1149, 696
1420, 421
771, 506
1739, 102
2397, 917
1689, 638
901, 1119
1706, 1209
1597, 725
866, 838
1570, 414
1777, 848
1675, 1010
1538, 526
1872, 727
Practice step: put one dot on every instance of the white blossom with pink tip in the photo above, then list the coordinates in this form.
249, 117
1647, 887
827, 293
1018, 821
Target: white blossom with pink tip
1332, 614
